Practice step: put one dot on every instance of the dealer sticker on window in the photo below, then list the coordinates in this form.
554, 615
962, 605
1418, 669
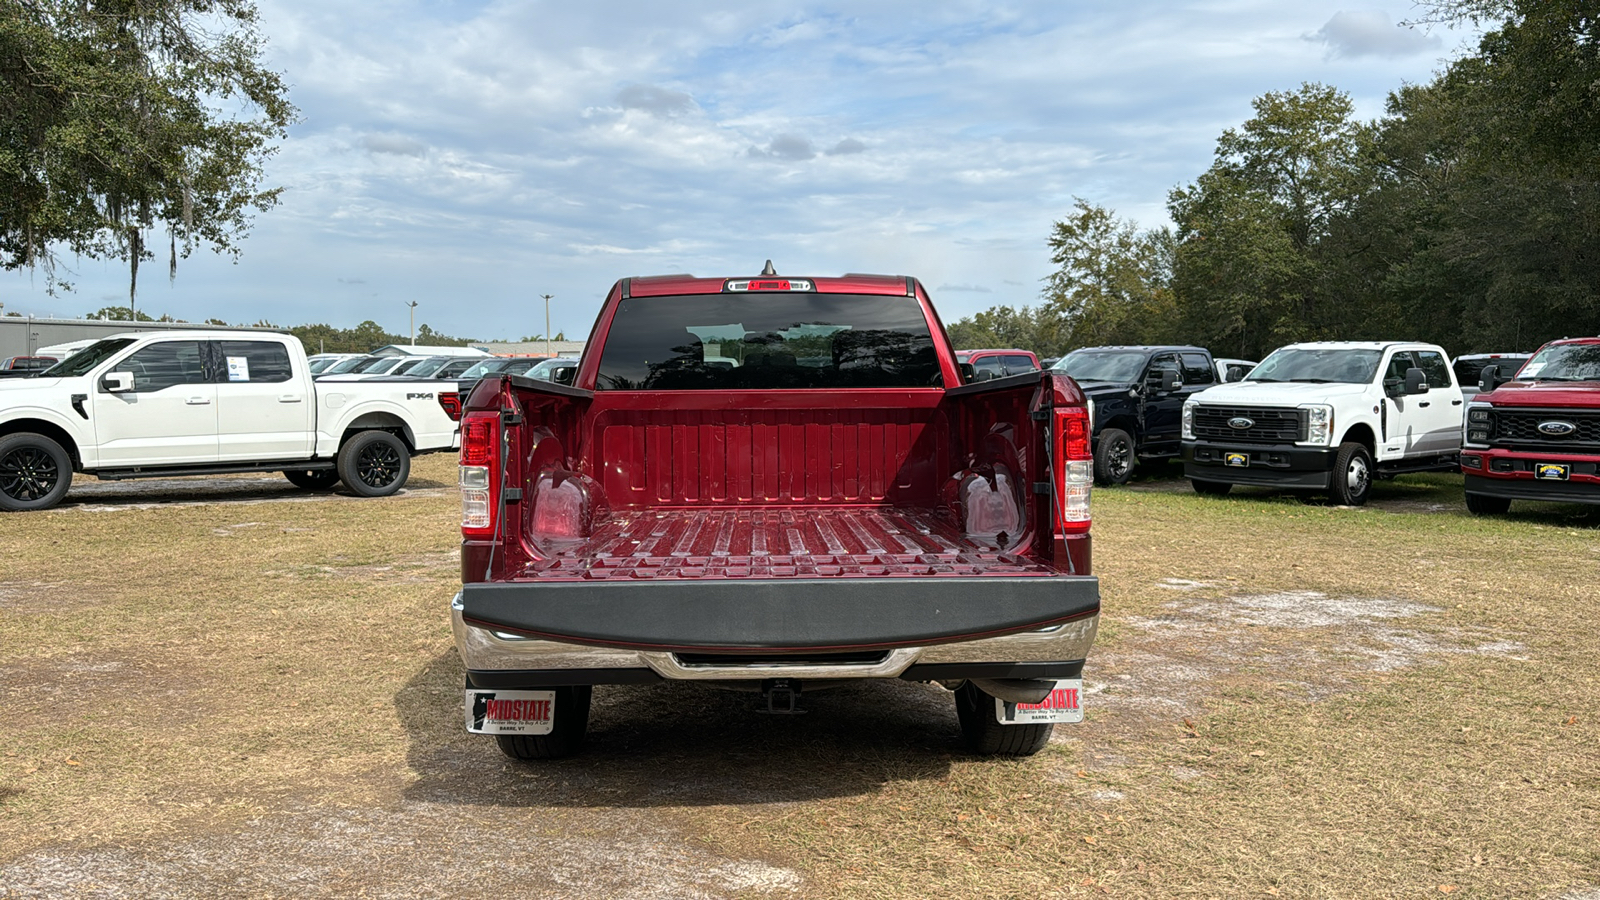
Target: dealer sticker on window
510, 712
1065, 704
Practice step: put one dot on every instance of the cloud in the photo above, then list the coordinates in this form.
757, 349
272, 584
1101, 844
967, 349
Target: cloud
395, 144
657, 101
351, 280
964, 289
847, 146
1352, 34
791, 147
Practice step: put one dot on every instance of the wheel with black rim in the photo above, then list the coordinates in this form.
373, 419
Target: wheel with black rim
312, 479
1210, 488
569, 723
35, 472
1351, 479
1113, 457
985, 735
374, 463
1485, 505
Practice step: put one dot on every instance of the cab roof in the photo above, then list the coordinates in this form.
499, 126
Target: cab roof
670, 285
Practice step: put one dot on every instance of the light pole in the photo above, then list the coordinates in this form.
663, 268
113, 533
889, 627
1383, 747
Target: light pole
413, 305
547, 322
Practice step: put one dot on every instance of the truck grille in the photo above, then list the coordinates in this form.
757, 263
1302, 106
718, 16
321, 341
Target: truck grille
1268, 425
1520, 427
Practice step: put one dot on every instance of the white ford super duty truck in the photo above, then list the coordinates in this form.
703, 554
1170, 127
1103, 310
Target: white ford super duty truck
1326, 417
142, 405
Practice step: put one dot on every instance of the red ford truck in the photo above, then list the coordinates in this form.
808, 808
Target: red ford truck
1536, 437
775, 485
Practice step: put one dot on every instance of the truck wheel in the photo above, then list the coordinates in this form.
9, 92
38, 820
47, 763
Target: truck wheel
1113, 457
566, 735
374, 463
1210, 488
1484, 505
1352, 475
312, 479
35, 472
987, 737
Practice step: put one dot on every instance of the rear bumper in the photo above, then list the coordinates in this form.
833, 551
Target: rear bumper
917, 628
1275, 466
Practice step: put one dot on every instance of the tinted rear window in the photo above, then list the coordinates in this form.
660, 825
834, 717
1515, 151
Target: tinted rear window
768, 341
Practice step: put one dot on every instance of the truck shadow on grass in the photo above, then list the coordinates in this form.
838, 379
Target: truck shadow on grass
685, 745
208, 490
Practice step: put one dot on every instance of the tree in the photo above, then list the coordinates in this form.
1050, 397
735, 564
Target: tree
118, 314
1252, 264
1000, 326
1114, 284
111, 125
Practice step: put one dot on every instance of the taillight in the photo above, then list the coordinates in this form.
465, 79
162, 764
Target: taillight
451, 401
1074, 469
480, 474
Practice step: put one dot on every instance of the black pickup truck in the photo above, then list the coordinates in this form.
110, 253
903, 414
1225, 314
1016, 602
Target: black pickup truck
1136, 397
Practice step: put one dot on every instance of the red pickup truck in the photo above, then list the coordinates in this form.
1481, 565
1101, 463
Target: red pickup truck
777, 485
1536, 437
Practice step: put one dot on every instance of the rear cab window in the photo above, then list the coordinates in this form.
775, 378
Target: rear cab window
768, 341
1197, 369
256, 362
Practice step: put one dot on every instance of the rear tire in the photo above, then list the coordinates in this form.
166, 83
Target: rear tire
1114, 457
571, 723
1210, 488
374, 464
313, 479
987, 737
35, 472
1484, 505
1351, 480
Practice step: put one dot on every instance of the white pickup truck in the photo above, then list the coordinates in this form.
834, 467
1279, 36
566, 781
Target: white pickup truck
1326, 416
142, 405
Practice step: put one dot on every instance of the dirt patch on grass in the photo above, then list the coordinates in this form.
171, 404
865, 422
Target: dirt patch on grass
415, 850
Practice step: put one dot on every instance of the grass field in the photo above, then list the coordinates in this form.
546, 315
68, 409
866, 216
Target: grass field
252, 691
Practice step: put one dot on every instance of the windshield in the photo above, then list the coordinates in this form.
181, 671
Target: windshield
545, 371
317, 365
1560, 362
427, 367
1468, 371
379, 365
347, 365
1102, 365
81, 362
1321, 365
768, 341
481, 369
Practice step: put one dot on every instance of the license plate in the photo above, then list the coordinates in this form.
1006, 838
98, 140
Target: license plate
1239, 460
1552, 471
510, 712
1065, 704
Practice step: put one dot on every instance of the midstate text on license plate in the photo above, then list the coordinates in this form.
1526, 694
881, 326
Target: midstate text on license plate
1065, 704
510, 712
1552, 471
1236, 459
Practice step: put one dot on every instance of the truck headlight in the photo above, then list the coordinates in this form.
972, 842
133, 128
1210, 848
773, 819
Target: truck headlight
1319, 424
1188, 419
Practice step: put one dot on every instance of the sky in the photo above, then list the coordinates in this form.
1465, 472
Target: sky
473, 156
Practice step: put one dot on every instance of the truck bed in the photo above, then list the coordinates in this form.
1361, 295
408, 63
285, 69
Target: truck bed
798, 542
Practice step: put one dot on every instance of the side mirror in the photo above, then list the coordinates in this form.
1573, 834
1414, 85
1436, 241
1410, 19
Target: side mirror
565, 375
1169, 380
1416, 381
1489, 379
968, 373
117, 382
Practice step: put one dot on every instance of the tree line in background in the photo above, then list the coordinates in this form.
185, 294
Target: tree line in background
369, 335
1468, 215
